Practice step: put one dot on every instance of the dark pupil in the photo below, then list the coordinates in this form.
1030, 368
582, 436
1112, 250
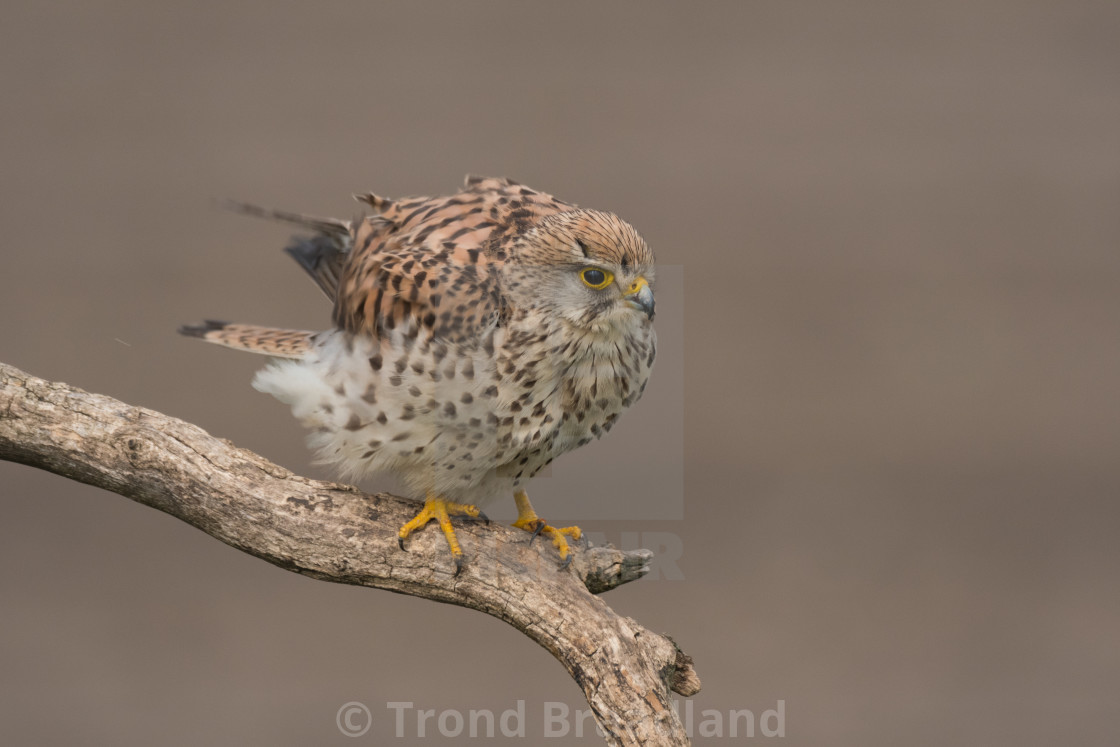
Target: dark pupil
594, 277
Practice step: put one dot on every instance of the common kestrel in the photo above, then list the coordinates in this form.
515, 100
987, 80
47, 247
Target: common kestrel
476, 338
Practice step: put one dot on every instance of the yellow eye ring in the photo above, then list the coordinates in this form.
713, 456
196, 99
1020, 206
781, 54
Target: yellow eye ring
596, 277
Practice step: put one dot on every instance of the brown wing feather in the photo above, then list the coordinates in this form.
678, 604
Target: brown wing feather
430, 263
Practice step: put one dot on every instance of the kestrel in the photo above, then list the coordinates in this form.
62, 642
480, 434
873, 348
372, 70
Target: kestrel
476, 338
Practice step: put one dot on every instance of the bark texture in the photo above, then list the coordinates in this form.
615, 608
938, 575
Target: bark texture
336, 533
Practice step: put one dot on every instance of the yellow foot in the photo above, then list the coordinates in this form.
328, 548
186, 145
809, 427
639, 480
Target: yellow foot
442, 510
528, 520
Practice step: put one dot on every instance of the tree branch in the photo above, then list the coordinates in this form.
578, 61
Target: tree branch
336, 533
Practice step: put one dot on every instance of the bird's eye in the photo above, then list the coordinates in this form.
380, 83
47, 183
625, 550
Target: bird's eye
593, 277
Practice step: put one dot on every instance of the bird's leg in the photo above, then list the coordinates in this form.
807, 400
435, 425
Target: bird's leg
528, 520
441, 510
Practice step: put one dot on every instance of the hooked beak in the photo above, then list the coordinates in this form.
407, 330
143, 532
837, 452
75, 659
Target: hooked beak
640, 296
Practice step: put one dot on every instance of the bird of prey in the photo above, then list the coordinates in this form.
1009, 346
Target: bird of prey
476, 337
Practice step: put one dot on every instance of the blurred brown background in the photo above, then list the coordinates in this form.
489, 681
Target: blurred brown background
898, 232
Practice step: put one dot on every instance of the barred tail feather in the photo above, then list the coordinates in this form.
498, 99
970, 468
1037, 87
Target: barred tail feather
279, 343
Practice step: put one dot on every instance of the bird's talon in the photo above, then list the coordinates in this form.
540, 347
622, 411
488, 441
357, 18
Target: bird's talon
440, 510
566, 562
528, 520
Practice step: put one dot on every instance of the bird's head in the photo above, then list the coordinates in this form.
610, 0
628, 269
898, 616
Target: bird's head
589, 267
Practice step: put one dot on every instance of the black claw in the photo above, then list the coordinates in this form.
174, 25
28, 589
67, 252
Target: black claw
458, 564
400, 543
584, 541
537, 532
484, 517
567, 561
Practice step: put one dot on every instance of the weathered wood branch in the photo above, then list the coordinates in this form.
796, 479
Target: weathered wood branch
336, 533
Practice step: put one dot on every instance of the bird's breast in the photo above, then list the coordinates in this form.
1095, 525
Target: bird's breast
583, 391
